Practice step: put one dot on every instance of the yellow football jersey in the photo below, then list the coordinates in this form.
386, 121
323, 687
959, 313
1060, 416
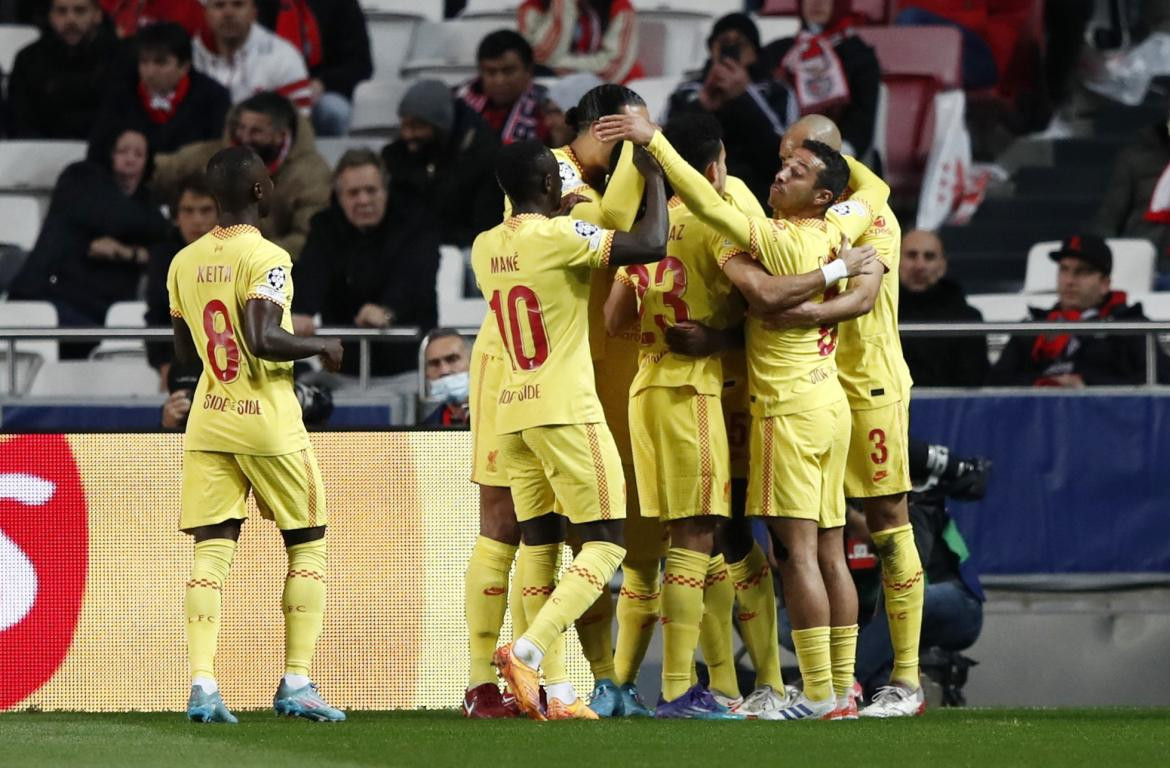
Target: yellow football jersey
869, 351
242, 404
686, 285
536, 274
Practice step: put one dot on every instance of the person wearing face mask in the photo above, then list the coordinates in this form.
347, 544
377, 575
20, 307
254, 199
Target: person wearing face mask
270, 126
168, 102
57, 82
832, 72
370, 261
93, 245
446, 360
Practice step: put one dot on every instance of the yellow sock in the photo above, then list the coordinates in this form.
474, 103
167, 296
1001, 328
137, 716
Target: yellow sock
586, 578
815, 659
304, 605
595, 631
486, 599
516, 595
843, 648
904, 592
682, 610
715, 631
757, 615
537, 565
637, 615
209, 571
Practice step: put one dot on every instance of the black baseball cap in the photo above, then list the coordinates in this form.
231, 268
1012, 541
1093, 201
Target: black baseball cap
1090, 249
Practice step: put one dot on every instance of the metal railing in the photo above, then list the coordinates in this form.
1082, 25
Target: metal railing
365, 337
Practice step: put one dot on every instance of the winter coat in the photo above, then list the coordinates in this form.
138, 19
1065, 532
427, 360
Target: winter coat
938, 361
199, 117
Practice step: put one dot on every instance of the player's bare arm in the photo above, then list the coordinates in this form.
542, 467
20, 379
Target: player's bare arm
766, 293
269, 341
621, 308
646, 242
857, 300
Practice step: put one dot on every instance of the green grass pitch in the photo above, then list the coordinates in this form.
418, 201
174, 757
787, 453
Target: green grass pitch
946, 738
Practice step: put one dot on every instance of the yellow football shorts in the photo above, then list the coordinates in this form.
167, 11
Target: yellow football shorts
737, 418
680, 453
798, 465
487, 465
288, 489
613, 374
573, 469
879, 445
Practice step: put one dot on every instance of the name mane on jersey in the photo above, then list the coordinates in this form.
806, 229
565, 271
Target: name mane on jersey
213, 273
505, 263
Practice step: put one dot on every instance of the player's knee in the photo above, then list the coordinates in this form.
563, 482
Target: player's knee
734, 538
609, 531
885, 512
546, 529
497, 519
302, 535
696, 534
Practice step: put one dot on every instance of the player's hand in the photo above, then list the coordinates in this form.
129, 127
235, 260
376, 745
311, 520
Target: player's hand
568, 201
303, 325
373, 316
692, 339
331, 355
860, 260
646, 164
729, 78
176, 408
629, 126
800, 316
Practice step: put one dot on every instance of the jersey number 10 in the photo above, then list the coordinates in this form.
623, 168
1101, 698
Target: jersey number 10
513, 339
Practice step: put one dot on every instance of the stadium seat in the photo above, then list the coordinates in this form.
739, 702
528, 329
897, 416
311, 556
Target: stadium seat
20, 220
932, 52
123, 314
656, 91
1155, 305
773, 28
1008, 307
452, 42
95, 378
456, 306
1133, 266
375, 106
390, 39
30, 355
875, 11
13, 37
431, 10
672, 42
35, 165
333, 148
497, 8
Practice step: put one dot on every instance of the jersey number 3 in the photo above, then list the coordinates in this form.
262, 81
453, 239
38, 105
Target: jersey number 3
217, 340
512, 336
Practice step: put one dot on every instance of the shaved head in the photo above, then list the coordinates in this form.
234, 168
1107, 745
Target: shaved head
238, 179
814, 127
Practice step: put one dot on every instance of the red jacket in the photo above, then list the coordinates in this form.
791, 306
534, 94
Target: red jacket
129, 15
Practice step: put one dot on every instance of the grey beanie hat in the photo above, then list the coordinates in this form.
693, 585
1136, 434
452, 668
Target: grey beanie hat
432, 102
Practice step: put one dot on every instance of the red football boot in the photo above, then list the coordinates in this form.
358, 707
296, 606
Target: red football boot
484, 702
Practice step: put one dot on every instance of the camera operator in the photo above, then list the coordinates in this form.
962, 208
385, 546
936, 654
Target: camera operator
316, 401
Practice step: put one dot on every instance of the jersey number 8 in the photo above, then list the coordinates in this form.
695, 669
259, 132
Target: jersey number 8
513, 339
217, 340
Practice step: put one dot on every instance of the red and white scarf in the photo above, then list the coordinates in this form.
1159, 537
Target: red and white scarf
160, 109
524, 121
1049, 349
815, 72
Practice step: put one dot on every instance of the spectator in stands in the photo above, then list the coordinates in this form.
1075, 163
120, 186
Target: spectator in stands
269, 125
1065, 360
598, 36
57, 83
831, 70
1137, 198
504, 93
753, 109
93, 245
129, 16
168, 103
444, 160
927, 296
246, 58
194, 215
971, 19
332, 38
446, 358
368, 263
563, 95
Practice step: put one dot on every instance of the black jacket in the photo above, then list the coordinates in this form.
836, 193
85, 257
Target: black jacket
158, 304
394, 265
345, 42
938, 361
455, 182
200, 116
1100, 360
864, 75
54, 91
87, 204
752, 125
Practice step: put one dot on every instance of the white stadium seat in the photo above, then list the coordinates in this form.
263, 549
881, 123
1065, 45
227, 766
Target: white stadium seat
426, 9
452, 42
13, 37
1155, 305
490, 8
36, 165
30, 355
1133, 266
656, 91
1009, 307
671, 44
123, 314
390, 40
714, 8
20, 220
375, 105
333, 148
774, 28
455, 308
95, 378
